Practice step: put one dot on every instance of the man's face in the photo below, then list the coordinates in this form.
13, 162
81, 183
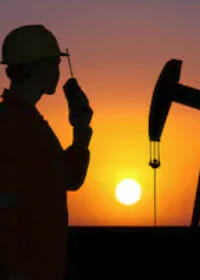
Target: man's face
50, 75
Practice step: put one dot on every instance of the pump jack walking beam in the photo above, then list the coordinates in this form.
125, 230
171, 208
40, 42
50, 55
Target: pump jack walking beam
168, 90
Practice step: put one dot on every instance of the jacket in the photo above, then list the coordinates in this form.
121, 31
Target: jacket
36, 173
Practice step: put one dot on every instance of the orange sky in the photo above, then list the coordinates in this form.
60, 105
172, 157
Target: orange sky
118, 49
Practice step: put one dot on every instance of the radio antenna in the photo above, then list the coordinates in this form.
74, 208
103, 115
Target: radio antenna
69, 63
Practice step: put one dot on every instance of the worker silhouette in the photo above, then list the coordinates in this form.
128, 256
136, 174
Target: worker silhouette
36, 172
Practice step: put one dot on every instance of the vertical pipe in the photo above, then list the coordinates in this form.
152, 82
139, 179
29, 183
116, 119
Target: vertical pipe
196, 210
155, 210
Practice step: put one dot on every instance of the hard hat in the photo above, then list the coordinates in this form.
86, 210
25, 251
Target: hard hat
29, 43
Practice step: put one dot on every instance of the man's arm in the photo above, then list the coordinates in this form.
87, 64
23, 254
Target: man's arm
76, 159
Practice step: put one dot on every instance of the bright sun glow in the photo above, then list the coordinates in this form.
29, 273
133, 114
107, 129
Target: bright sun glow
128, 192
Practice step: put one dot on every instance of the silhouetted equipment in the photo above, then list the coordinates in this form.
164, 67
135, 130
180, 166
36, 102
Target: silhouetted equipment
166, 91
69, 63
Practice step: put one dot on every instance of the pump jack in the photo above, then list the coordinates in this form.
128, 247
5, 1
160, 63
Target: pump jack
168, 90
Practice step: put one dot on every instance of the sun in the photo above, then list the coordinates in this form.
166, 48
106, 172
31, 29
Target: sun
128, 192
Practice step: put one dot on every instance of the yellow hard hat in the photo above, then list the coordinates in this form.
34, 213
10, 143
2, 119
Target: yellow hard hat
29, 43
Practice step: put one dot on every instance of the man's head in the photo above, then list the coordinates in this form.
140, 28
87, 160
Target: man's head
33, 56
44, 74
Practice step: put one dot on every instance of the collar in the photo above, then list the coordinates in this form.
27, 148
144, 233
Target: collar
11, 98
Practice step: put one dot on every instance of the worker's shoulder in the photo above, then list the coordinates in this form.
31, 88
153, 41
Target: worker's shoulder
9, 117
12, 126
5, 115
3, 108
7, 111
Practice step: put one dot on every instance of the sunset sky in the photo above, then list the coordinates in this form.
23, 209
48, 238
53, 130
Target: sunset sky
118, 48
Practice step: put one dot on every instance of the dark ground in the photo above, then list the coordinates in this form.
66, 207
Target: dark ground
129, 252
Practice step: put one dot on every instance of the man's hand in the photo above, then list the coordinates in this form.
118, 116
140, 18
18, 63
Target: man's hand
80, 113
